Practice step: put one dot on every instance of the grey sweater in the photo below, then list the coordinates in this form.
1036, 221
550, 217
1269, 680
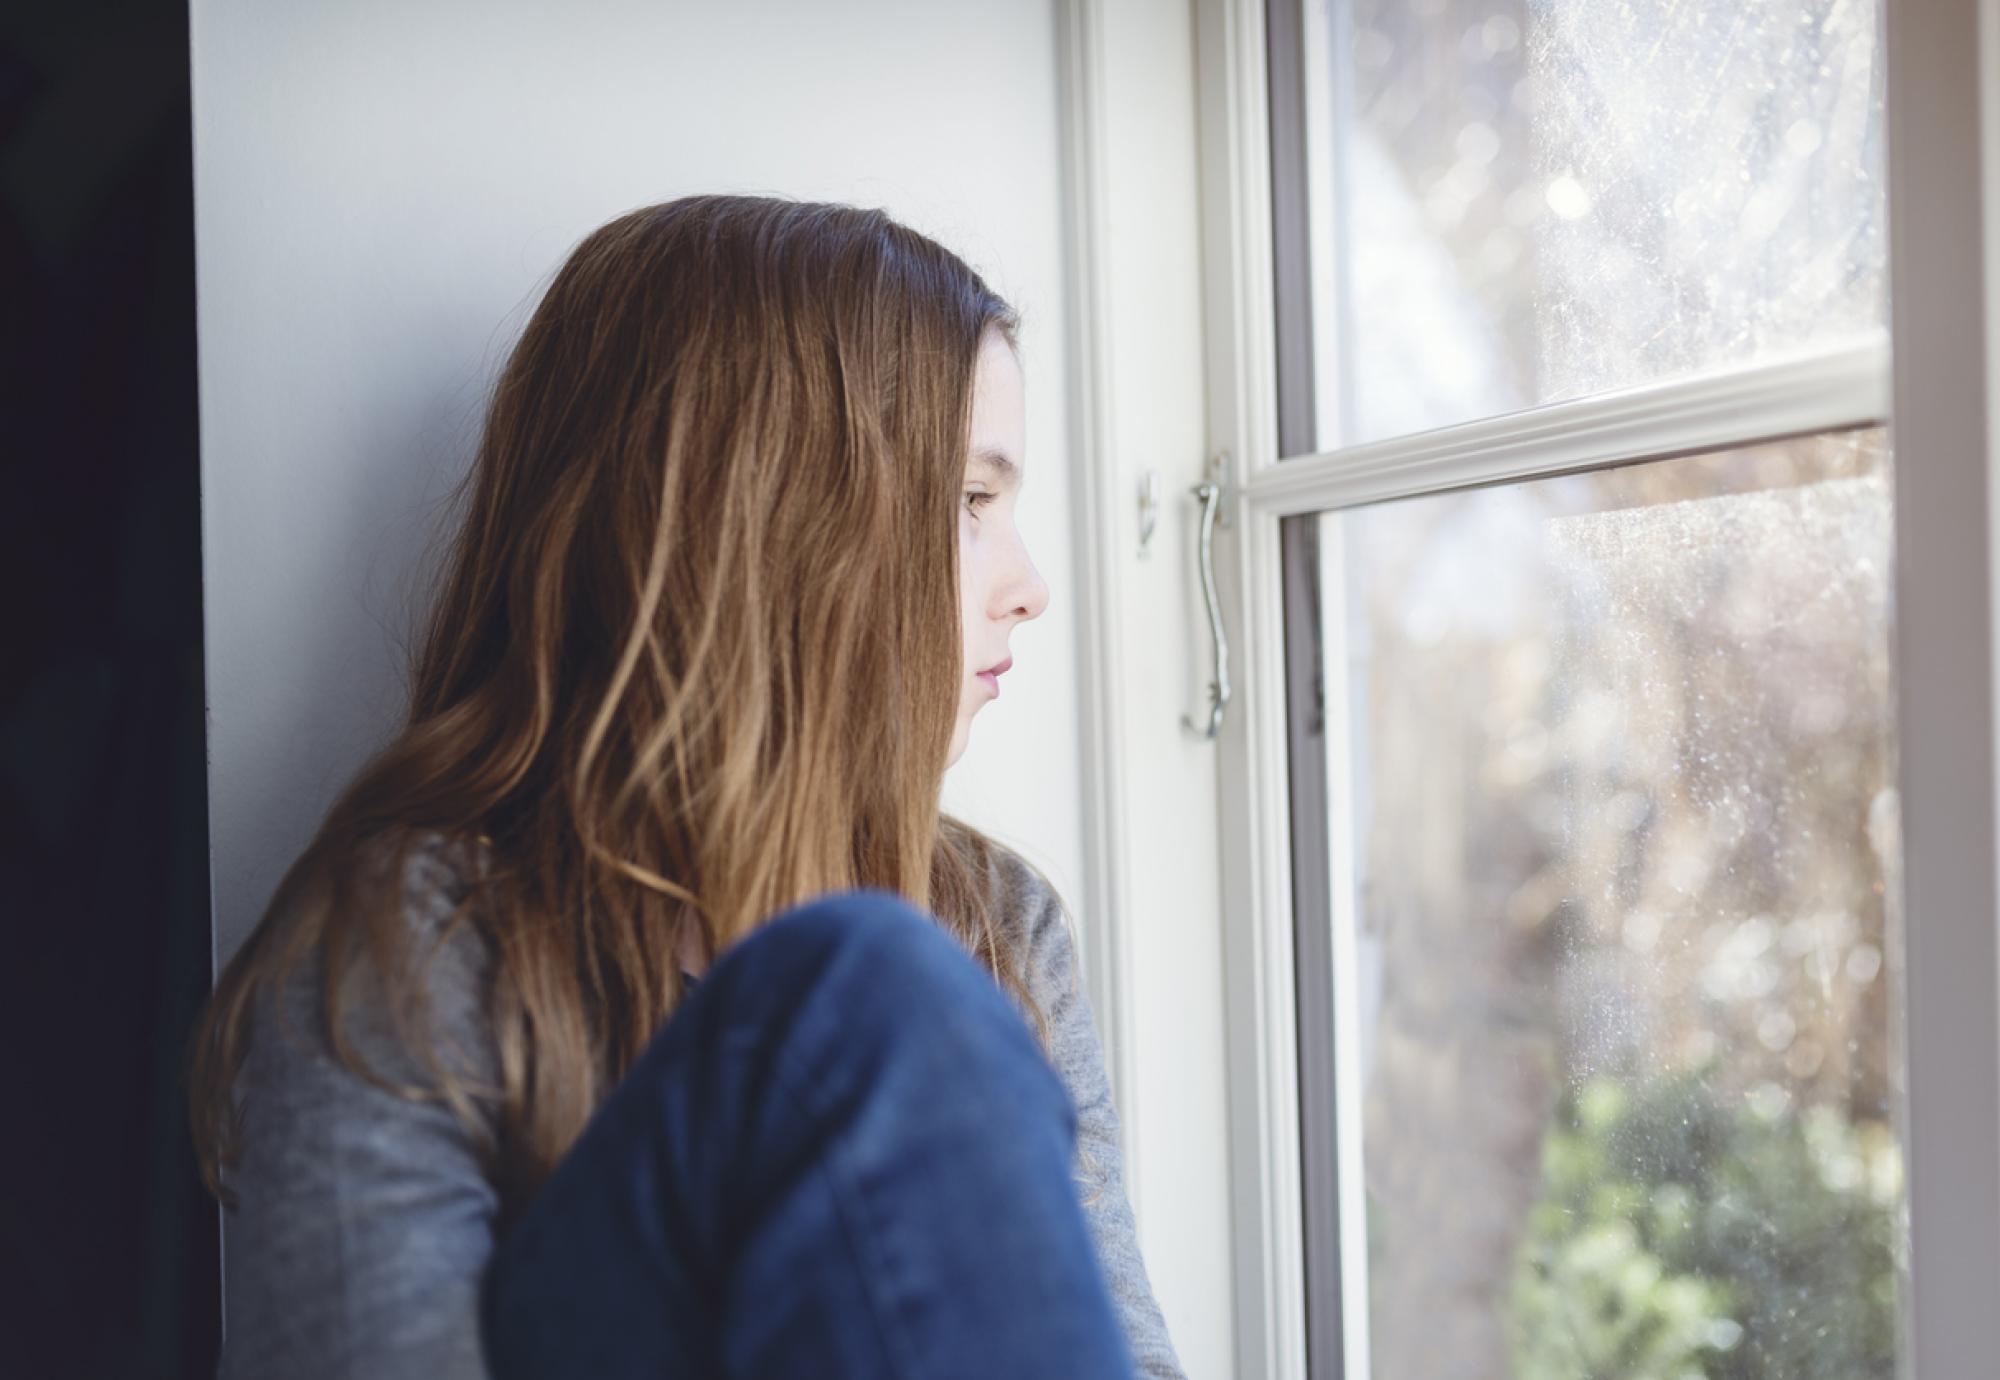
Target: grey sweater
365, 1219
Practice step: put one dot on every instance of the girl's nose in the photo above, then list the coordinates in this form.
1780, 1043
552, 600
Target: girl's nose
1029, 592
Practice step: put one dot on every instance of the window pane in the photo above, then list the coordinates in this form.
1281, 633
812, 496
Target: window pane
1530, 202
1615, 858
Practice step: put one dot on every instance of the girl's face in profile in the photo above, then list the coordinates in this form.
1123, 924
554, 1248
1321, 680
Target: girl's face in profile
998, 586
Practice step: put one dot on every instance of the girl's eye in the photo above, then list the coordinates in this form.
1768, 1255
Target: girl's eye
975, 499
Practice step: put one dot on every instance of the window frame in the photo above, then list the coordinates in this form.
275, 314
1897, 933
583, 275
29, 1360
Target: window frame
1943, 79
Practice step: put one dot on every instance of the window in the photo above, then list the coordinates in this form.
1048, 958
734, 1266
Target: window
1512, 204
1614, 841
1570, 545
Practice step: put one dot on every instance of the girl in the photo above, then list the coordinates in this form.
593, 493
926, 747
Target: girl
636, 1011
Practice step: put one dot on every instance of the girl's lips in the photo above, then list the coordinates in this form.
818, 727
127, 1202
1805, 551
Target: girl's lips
991, 676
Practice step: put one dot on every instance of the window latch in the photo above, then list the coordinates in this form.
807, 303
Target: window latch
1210, 494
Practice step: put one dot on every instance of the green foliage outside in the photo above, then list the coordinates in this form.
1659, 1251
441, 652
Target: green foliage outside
1683, 1234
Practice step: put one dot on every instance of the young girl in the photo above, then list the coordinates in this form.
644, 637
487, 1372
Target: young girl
636, 1011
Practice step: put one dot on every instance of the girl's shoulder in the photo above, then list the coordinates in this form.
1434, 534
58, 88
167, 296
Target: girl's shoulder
1034, 917
437, 1002
1023, 892
366, 1199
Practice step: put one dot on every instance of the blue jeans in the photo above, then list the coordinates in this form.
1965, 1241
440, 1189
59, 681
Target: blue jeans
844, 1155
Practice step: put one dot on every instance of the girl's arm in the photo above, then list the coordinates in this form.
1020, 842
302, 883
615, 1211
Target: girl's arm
364, 1219
1078, 1057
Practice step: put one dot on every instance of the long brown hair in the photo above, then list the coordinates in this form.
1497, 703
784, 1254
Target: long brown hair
694, 658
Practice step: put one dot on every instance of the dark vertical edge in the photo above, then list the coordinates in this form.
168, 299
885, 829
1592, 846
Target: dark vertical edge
112, 1246
1312, 940
1305, 720
1290, 238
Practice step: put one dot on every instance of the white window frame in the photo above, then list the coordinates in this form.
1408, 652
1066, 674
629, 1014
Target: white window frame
1943, 86
1149, 909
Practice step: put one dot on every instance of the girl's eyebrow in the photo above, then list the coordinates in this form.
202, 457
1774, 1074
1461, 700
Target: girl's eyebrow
1001, 464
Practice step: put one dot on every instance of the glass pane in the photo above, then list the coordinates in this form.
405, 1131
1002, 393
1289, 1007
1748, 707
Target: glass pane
1616, 844
1526, 202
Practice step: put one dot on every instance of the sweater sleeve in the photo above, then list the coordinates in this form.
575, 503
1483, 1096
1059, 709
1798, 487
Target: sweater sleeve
364, 1219
1078, 1057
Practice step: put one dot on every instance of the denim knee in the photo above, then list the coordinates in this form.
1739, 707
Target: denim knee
886, 966
878, 948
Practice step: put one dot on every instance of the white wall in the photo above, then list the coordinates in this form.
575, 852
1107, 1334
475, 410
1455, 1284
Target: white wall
381, 192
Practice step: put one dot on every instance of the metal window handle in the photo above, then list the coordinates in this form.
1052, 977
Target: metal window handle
1210, 494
